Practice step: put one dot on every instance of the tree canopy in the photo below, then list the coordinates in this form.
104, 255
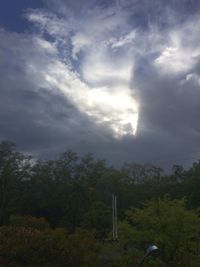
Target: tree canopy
59, 212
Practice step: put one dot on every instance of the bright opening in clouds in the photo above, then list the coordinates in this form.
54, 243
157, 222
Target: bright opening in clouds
100, 86
119, 78
112, 106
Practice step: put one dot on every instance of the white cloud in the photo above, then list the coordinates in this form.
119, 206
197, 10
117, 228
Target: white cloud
108, 46
100, 86
101, 67
193, 77
79, 41
101, 89
93, 59
46, 46
50, 23
124, 40
181, 51
115, 109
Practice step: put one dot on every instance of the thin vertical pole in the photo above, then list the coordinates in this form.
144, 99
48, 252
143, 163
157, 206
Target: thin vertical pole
114, 217
116, 231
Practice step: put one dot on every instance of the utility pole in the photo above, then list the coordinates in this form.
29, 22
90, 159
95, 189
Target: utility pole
114, 217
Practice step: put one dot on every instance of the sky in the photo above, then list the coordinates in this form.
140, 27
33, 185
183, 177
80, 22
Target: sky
119, 79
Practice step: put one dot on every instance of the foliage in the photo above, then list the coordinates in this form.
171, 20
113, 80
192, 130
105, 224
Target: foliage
98, 219
58, 212
83, 249
26, 246
168, 224
29, 222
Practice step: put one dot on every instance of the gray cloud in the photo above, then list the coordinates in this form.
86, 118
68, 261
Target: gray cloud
39, 120
47, 73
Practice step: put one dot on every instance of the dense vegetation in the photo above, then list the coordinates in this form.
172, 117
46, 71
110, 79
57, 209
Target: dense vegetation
58, 212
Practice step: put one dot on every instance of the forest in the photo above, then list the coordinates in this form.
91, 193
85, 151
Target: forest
56, 213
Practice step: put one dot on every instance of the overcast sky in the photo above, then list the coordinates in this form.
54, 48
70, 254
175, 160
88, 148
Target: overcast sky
118, 78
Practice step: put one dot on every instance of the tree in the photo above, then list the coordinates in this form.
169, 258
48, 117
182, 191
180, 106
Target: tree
83, 249
14, 168
172, 227
29, 222
98, 219
137, 173
28, 242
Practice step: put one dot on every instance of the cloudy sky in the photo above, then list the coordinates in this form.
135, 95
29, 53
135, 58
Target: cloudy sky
118, 78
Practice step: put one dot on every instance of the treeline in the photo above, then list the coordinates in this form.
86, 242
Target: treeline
58, 212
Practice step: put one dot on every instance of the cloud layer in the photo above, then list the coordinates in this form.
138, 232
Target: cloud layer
89, 76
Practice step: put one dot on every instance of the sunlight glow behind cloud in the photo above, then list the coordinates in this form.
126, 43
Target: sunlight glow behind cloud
115, 109
100, 88
94, 58
82, 72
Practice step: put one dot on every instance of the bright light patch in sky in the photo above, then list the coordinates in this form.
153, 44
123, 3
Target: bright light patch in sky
100, 87
106, 77
114, 108
117, 110
92, 63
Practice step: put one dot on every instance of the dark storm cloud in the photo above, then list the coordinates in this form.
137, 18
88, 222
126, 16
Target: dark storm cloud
40, 121
43, 103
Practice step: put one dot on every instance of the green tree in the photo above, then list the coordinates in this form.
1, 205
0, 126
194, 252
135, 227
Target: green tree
83, 249
98, 219
172, 227
14, 168
29, 222
28, 242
